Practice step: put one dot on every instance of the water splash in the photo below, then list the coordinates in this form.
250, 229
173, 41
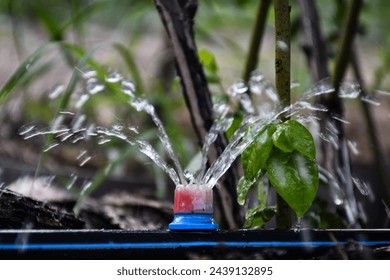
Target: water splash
349, 90
149, 151
353, 147
371, 100
57, 91
259, 114
322, 87
72, 181
387, 209
114, 77
298, 225
83, 157
361, 185
141, 104
336, 192
86, 186
240, 140
382, 92
220, 125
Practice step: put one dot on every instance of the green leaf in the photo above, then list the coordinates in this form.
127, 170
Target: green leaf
235, 125
295, 178
243, 188
254, 157
258, 216
208, 60
291, 135
22, 71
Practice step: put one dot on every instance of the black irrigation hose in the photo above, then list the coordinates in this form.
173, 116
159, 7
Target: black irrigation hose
119, 244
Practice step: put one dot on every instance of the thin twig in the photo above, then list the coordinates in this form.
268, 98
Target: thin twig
256, 39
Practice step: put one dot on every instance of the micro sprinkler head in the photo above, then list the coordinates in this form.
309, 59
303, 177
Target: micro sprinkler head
193, 209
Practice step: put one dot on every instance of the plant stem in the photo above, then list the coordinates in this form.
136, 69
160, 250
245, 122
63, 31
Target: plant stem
346, 42
282, 50
282, 71
314, 46
256, 38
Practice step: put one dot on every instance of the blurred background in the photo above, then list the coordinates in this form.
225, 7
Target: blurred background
43, 43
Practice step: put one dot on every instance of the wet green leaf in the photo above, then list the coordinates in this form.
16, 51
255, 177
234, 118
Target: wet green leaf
235, 125
243, 188
291, 135
295, 178
258, 216
254, 158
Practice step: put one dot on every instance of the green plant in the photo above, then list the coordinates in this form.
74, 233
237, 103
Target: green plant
286, 153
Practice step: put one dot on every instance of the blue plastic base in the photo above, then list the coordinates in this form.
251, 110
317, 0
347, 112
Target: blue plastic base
193, 222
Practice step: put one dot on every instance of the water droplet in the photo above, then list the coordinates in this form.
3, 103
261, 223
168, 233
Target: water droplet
114, 77
353, 147
84, 161
94, 86
294, 84
66, 113
382, 92
237, 89
118, 127
323, 86
246, 103
189, 176
361, 185
81, 101
77, 122
71, 182
323, 137
282, 45
133, 129
103, 140
58, 90
349, 90
65, 136
88, 74
91, 130
387, 209
221, 109
336, 192
340, 119
81, 154
57, 122
26, 129
77, 137
50, 146
257, 82
298, 225
150, 152
128, 88
370, 100
85, 187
